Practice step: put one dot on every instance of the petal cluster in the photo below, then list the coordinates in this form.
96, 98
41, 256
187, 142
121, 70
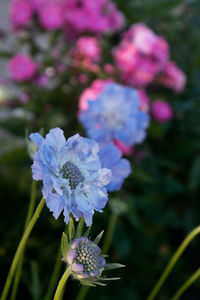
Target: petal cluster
72, 174
115, 115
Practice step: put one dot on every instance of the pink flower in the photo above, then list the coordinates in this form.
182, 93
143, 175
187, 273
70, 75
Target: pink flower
22, 67
162, 111
51, 15
21, 13
141, 55
88, 48
37, 4
42, 80
173, 77
96, 16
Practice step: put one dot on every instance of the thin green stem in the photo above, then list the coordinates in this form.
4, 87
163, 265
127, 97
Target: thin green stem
79, 228
20, 248
173, 261
61, 284
109, 233
20, 264
54, 277
105, 248
186, 285
83, 292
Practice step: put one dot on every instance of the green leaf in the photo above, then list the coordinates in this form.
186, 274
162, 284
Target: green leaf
71, 228
114, 266
111, 278
64, 244
98, 238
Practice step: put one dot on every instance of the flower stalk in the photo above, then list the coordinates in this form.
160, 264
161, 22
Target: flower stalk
21, 248
172, 262
61, 284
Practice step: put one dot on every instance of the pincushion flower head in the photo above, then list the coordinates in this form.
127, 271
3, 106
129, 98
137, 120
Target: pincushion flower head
85, 261
115, 114
51, 15
162, 111
73, 178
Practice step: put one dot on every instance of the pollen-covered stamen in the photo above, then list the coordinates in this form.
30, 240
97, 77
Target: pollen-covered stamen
71, 172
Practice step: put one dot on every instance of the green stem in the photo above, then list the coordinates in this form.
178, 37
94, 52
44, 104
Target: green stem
186, 285
109, 233
106, 245
54, 277
20, 264
20, 248
79, 228
173, 261
61, 284
83, 292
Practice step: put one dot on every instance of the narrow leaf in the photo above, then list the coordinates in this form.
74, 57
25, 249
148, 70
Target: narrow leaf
88, 283
64, 244
111, 278
98, 238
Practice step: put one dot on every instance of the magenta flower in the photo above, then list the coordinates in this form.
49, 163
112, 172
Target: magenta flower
51, 15
140, 56
88, 48
97, 16
21, 12
162, 111
173, 77
22, 67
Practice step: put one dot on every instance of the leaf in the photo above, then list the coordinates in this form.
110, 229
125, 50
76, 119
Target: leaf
71, 228
111, 278
114, 266
64, 244
88, 283
98, 238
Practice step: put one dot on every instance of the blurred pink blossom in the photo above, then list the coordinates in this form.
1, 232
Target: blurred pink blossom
22, 67
173, 77
87, 47
21, 12
96, 16
141, 55
162, 111
42, 80
51, 15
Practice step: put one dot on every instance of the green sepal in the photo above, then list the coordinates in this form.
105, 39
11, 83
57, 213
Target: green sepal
98, 238
87, 232
113, 266
99, 283
64, 244
87, 282
71, 229
79, 228
111, 278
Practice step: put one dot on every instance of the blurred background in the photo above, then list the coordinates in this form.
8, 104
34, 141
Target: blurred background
162, 192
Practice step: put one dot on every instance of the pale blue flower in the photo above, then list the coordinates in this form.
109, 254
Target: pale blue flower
115, 114
111, 158
73, 178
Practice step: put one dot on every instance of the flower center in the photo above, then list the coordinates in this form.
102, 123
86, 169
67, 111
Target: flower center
88, 257
72, 173
112, 117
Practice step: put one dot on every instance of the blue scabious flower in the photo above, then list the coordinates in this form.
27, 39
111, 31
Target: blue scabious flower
115, 114
111, 158
84, 259
73, 178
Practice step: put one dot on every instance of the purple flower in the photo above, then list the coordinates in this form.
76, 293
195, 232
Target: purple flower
51, 15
